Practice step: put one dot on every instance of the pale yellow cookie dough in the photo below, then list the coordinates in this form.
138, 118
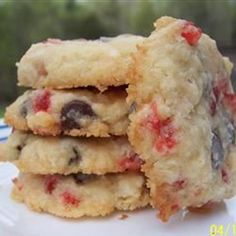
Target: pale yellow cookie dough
76, 196
78, 63
78, 112
64, 155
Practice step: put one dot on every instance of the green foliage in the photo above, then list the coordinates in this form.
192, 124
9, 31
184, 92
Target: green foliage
2, 111
23, 22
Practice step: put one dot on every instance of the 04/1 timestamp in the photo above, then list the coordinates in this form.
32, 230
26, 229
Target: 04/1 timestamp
222, 230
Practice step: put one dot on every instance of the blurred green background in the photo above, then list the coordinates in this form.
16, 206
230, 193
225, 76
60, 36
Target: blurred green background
23, 22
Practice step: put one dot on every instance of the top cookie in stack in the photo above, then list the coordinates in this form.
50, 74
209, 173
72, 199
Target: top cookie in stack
57, 64
71, 64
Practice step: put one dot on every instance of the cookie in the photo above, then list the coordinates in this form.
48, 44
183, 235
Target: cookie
78, 112
64, 155
80, 195
183, 117
77, 63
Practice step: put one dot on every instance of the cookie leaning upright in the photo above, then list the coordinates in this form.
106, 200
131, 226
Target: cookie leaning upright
77, 63
183, 120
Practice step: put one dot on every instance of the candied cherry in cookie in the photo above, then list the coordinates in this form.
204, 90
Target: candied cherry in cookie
218, 90
50, 183
230, 101
222, 93
163, 130
132, 163
225, 175
191, 33
180, 184
73, 111
41, 101
70, 199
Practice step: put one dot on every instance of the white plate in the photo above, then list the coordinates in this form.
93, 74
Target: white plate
17, 220
4, 131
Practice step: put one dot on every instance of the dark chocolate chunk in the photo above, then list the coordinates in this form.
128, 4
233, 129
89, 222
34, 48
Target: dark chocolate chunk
82, 178
133, 108
24, 108
230, 133
217, 151
230, 130
19, 147
76, 157
73, 111
23, 111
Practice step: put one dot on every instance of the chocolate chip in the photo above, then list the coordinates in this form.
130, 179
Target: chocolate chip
82, 178
72, 112
23, 111
217, 151
76, 157
19, 147
24, 108
133, 108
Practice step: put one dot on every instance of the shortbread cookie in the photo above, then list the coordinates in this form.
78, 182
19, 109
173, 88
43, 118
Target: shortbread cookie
73, 112
80, 195
64, 155
78, 63
183, 120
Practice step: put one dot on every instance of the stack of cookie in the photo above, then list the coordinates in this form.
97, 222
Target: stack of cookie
69, 140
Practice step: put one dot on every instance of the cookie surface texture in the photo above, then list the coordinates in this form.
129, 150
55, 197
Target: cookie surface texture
77, 63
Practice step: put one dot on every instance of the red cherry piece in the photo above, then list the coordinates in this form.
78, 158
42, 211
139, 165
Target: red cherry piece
50, 183
223, 86
70, 199
191, 33
225, 176
216, 93
175, 208
42, 101
212, 106
214, 100
132, 163
219, 90
164, 131
230, 101
180, 184
222, 90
